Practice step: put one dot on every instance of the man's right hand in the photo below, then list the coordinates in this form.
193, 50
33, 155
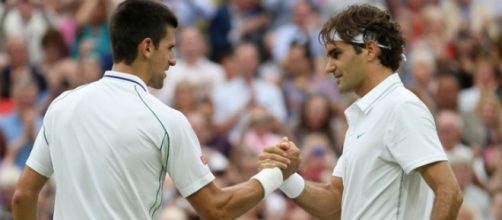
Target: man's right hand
284, 155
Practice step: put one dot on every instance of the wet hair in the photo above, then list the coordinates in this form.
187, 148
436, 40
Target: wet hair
374, 24
135, 20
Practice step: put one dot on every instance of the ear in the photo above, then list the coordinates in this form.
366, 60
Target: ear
373, 50
145, 48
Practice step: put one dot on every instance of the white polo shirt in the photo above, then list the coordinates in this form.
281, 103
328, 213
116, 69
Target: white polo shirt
109, 145
391, 133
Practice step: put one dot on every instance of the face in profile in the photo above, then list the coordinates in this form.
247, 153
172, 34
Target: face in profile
345, 65
162, 57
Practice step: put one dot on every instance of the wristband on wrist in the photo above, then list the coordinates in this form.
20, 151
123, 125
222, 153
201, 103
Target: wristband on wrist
270, 179
293, 186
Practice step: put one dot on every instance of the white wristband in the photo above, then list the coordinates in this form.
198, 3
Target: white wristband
293, 186
270, 179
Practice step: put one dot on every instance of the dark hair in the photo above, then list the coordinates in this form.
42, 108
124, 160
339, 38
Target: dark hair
374, 24
302, 128
54, 37
307, 53
135, 20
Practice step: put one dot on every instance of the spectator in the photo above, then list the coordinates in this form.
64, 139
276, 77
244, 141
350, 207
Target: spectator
233, 99
316, 116
22, 125
485, 83
18, 65
473, 195
260, 131
54, 50
423, 69
303, 29
193, 67
28, 20
450, 127
446, 92
192, 13
235, 21
92, 38
301, 80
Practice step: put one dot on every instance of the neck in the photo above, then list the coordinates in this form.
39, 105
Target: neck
133, 69
375, 75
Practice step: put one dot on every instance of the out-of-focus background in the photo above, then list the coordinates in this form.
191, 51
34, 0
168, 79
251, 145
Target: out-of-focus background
454, 52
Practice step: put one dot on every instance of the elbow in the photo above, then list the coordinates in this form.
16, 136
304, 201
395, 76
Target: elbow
215, 214
18, 198
458, 197
21, 196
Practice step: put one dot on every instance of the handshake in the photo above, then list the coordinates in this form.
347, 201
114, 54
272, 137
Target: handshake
278, 165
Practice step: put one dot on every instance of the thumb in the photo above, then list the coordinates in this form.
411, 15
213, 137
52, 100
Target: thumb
284, 143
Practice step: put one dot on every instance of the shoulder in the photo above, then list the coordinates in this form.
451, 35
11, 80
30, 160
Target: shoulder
403, 101
68, 95
164, 112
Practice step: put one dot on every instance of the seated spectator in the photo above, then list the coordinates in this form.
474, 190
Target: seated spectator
92, 37
301, 80
18, 65
193, 67
22, 125
54, 50
27, 20
450, 127
316, 116
233, 99
259, 133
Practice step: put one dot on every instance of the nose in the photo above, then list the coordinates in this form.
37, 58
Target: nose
172, 61
330, 67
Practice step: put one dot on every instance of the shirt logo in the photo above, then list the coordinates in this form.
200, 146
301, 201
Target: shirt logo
360, 135
203, 159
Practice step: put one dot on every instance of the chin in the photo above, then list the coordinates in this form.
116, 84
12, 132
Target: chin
157, 86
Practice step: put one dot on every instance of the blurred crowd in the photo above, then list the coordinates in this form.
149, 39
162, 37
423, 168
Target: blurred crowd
249, 72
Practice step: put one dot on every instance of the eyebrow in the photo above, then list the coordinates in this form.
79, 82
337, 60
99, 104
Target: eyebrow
332, 51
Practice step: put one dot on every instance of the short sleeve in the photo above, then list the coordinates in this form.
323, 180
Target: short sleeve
186, 164
40, 157
339, 167
411, 136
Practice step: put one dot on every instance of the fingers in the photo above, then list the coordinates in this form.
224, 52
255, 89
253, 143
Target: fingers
285, 143
271, 164
274, 157
275, 150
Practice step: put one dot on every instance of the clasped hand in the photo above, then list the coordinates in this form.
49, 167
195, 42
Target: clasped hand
284, 155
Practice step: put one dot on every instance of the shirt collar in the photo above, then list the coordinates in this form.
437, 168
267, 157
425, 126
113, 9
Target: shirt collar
125, 77
366, 102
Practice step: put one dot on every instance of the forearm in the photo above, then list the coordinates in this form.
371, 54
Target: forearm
24, 206
320, 200
231, 202
446, 205
241, 198
226, 203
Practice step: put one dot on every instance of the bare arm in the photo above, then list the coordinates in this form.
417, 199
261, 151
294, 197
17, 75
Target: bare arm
24, 203
448, 196
233, 201
226, 203
322, 200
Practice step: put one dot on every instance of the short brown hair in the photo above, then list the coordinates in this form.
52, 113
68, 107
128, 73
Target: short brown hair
373, 24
